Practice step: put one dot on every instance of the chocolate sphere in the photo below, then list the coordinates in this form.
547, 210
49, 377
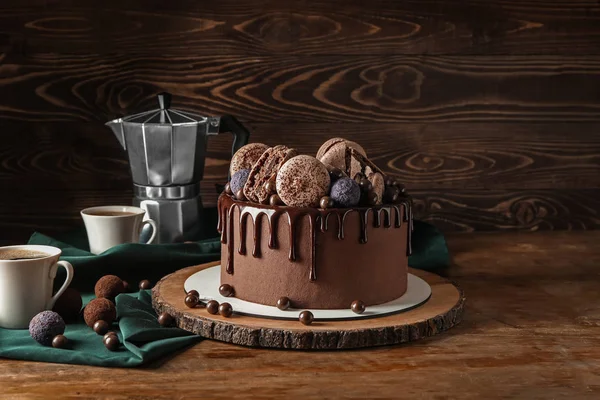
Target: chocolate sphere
283, 303
112, 343
59, 342
306, 317
191, 301
372, 198
239, 195
335, 174
225, 310
238, 180
365, 185
226, 290
326, 202
109, 287
270, 187
126, 287
212, 307
227, 189
390, 195
111, 333
45, 326
275, 200
101, 327
389, 182
68, 305
99, 309
194, 292
145, 285
357, 307
165, 319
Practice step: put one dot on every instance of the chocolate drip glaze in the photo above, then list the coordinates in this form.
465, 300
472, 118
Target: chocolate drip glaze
227, 205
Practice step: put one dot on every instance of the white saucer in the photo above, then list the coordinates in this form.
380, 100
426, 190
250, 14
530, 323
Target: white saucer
207, 283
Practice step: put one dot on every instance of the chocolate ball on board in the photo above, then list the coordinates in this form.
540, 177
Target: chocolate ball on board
225, 310
306, 317
109, 287
358, 307
59, 342
194, 292
283, 303
68, 305
145, 284
226, 290
191, 301
45, 326
99, 309
101, 327
212, 307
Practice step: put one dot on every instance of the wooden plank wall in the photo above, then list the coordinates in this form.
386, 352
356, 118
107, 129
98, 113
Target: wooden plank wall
488, 110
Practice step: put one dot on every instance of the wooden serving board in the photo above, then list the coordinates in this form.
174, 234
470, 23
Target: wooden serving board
441, 312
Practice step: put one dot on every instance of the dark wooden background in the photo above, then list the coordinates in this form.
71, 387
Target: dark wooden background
488, 110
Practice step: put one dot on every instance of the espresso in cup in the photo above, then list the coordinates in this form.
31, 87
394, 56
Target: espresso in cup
109, 226
27, 275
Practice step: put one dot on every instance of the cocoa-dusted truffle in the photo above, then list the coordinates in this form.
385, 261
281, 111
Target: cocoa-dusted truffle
45, 326
238, 180
68, 305
99, 309
345, 192
302, 181
109, 287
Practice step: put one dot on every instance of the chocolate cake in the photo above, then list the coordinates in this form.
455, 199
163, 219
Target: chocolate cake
322, 256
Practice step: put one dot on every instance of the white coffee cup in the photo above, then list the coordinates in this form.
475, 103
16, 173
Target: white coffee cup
26, 283
109, 226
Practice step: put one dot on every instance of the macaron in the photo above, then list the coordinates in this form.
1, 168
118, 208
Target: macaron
334, 152
264, 170
246, 156
302, 181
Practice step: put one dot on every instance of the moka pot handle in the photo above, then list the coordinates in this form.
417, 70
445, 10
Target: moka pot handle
241, 135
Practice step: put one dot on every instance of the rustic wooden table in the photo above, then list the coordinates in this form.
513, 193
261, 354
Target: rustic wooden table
531, 330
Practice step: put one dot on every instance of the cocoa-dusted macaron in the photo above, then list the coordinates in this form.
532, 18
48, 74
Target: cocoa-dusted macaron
302, 181
334, 153
378, 182
266, 169
246, 156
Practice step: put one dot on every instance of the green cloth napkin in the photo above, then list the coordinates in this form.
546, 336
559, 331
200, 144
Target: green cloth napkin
142, 338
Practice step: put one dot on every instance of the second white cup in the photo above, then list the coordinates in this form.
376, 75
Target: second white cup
109, 226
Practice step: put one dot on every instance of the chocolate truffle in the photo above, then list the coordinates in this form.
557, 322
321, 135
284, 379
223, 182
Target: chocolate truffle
112, 343
283, 303
212, 307
45, 326
59, 342
101, 327
302, 181
165, 319
306, 317
357, 307
226, 290
99, 309
109, 287
246, 156
345, 192
225, 310
68, 305
264, 170
191, 301
145, 284
238, 180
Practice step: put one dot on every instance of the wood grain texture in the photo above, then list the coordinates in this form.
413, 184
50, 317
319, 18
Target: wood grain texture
441, 312
531, 330
252, 27
464, 176
363, 89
